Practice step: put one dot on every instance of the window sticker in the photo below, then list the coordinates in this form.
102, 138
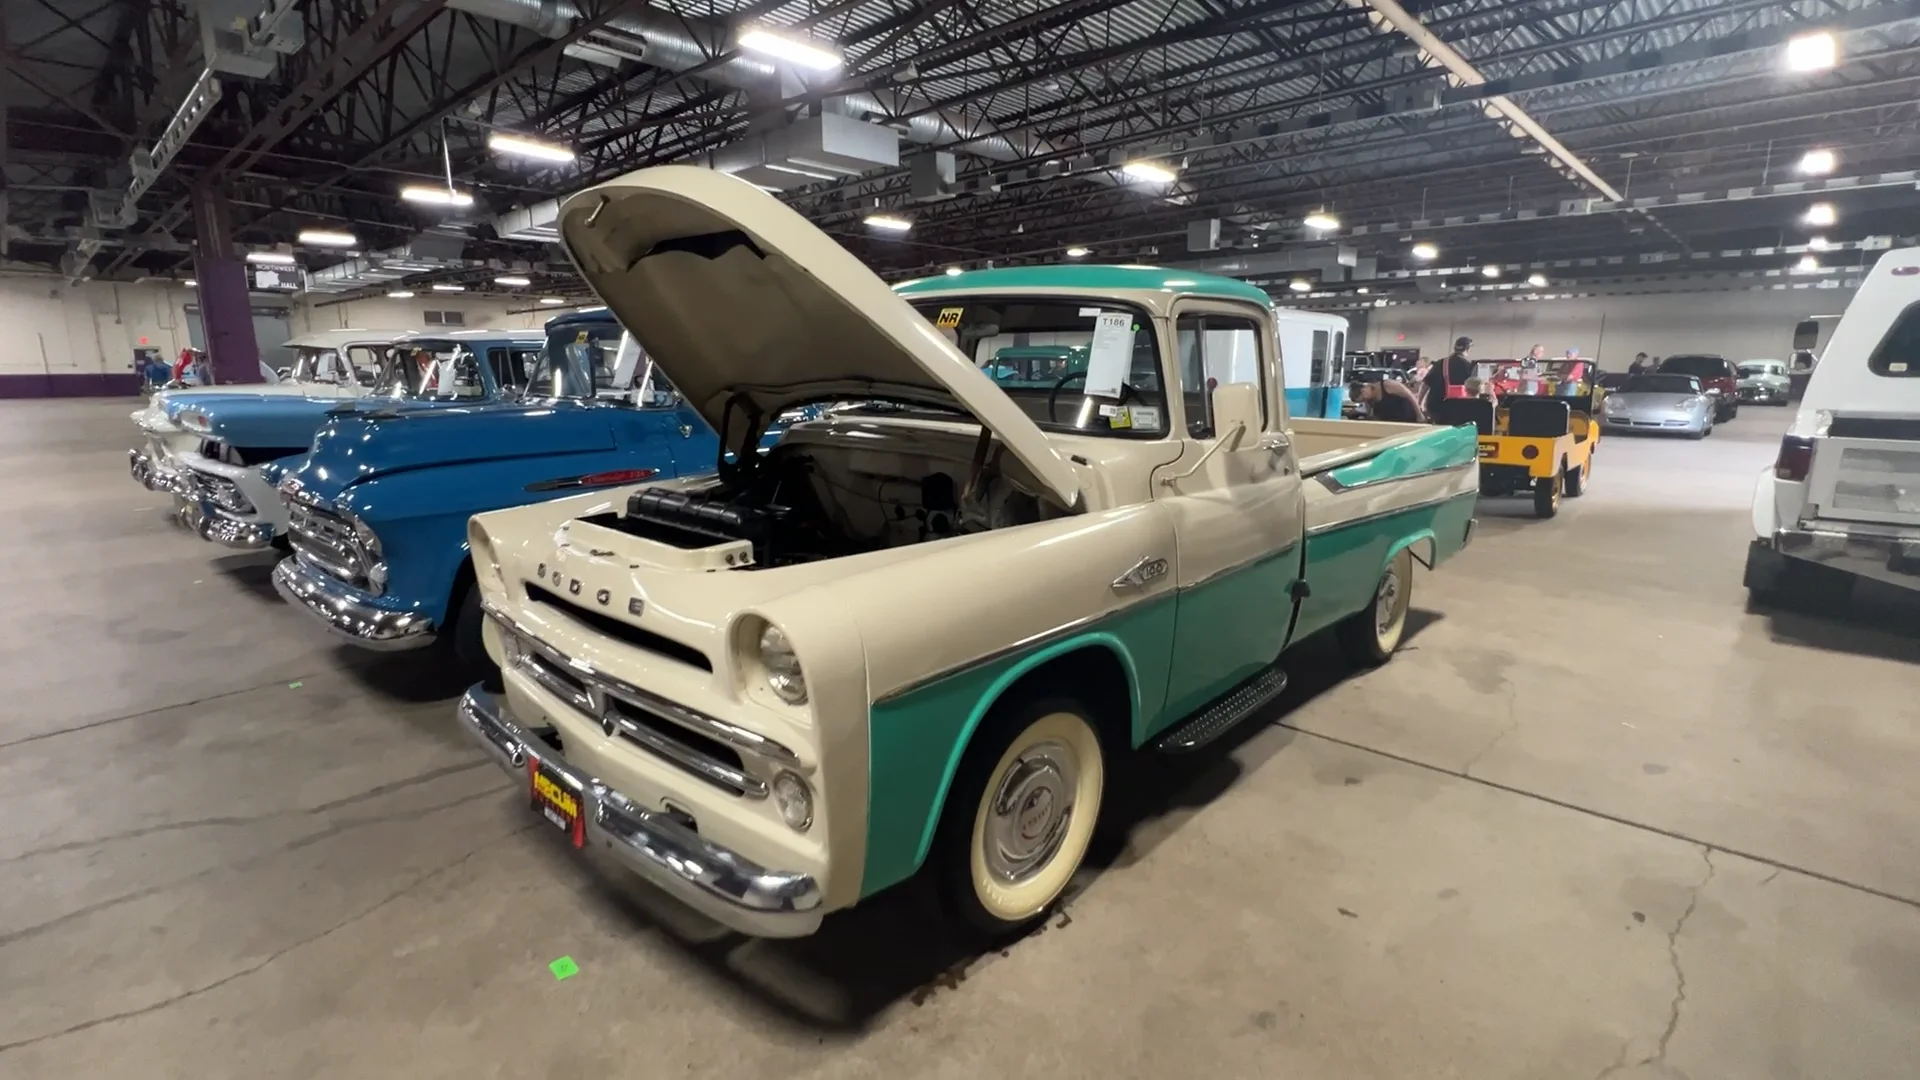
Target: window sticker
1110, 354
1089, 312
949, 318
1145, 419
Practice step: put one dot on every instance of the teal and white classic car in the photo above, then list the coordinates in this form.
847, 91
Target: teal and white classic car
915, 635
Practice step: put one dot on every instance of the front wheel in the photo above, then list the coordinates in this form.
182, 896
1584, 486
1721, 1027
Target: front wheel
1370, 637
1020, 816
462, 637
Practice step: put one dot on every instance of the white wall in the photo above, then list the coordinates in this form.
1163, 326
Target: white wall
50, 327
1737, 325
382, 313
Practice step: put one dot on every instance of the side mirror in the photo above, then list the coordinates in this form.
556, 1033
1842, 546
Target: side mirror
1236, 413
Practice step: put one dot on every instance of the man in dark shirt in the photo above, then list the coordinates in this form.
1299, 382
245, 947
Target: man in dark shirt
1387, 399
1455, 370
1639, 364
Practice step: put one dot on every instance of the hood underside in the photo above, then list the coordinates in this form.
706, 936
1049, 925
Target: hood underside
751, 310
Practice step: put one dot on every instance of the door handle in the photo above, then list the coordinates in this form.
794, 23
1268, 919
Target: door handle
1277, 444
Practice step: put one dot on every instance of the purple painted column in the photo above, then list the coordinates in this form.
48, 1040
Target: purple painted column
225, 310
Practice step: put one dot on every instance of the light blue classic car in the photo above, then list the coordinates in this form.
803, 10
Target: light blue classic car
224, 492
378, 508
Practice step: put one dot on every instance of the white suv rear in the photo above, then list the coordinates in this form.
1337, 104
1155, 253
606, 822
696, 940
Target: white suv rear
1843, 498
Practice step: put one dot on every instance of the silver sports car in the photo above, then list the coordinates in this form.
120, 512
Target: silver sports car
1659, 403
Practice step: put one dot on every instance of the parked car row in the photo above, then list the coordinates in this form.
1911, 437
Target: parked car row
779, 598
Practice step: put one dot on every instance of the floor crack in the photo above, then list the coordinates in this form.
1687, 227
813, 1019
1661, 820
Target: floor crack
1658, 1058
1513, 724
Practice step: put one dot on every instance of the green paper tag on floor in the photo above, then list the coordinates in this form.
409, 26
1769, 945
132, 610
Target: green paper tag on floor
294, 685
564, 968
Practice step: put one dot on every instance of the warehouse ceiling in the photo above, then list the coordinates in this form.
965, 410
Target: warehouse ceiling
1645, 144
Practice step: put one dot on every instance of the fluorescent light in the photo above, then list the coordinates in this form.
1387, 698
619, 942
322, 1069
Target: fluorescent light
1812, 52
1424, 251
435, 196
1538, 281
400, 294
1149, 172
1078, 252
1490, 271
521, 146
1321, 221
552, 301
804, 53
449, 288
191, 284
1808, 263
327, 238
1817, 162
276, 258
1300, 285
1820, 214
889, 222
808, 173
1363, 290
953, 271
1819, 243
512, 280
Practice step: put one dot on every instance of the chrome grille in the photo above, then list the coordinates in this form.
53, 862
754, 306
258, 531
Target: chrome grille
709, 748
220, 491
326, 541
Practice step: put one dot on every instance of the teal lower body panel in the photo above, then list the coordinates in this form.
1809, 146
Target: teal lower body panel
1316, 402
1344, 564
1227, 629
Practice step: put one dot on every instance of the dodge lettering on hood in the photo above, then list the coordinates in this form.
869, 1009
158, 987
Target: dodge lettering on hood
916, 634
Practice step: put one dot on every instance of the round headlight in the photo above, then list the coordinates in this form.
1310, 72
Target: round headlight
782, 666
795, 799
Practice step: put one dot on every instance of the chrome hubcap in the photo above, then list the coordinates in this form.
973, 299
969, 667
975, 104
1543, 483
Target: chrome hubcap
1386, 603
1028, 815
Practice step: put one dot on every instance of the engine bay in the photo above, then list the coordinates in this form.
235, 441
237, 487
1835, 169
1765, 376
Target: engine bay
833, 490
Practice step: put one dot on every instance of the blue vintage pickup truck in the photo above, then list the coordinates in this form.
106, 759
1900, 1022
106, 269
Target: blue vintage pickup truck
378, 509
224, 491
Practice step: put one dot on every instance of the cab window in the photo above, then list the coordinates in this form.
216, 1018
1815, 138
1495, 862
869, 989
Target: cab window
1214, 350
1898, 354
363, 364
512, 367
1317, 374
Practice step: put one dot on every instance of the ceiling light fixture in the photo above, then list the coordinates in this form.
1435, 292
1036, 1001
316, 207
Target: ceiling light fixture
1078, 252
400, 294
501, 142
1812, 52
1363, 290
1819, 243
1817, 162
1321, 221
275, 258
449, 288
1300, 285
1490, 271
1808, 264
552, 301
191, 284
1538, 281
435, 196
889, 222
805, 54
512, 280
327, 238
1149, 172
1424, 251
953, 271
1820, 214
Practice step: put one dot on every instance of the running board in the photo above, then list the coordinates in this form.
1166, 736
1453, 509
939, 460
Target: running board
1226, 711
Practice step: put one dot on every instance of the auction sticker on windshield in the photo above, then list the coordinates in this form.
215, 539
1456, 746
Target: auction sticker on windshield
949, 318
1110, 354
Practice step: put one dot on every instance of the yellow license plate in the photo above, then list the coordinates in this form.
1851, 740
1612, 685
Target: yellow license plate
556, 801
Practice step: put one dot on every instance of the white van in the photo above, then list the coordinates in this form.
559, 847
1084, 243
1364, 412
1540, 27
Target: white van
1842, 501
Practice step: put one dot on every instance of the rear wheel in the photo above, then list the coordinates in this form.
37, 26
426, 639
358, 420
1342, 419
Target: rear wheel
1577, 480
1020, 816
1370, 637
1546, 494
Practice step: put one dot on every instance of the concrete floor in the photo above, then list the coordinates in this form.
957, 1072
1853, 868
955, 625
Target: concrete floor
1596, 820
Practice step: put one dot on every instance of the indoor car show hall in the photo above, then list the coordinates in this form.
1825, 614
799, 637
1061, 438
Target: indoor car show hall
1108, 539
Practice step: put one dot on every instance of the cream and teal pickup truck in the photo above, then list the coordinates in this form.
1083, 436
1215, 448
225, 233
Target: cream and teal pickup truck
915, 635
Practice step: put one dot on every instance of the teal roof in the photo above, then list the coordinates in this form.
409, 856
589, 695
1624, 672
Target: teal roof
1093, 278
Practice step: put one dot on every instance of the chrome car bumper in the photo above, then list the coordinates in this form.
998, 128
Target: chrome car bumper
717, 882
210, 522
346, 614
201, 481
151, 474
1653, 424
1883, 554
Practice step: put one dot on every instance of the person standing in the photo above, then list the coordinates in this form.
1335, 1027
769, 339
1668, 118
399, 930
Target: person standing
1448, 378
1417, 380
1639, 364
1388, 399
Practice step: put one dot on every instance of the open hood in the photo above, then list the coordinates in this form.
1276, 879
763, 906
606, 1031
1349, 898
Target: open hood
748, 307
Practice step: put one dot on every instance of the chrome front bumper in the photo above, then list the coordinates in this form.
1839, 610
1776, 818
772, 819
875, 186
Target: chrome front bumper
205, 516
717, 882
1879, 553
345, 613
150, 474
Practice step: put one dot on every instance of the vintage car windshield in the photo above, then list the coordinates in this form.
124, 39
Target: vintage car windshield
1661, 384
600, 362
1041, 351
1763, 367
430, 371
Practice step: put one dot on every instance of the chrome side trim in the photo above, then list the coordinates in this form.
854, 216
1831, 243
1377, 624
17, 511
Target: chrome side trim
713, 727
718, 882
1327, 480
1033, 641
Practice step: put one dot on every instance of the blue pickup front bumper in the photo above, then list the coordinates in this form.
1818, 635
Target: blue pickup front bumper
348, 614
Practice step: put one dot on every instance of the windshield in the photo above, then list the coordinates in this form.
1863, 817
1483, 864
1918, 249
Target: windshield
1705, 367
598, 362
1045, 353
430, 371
1661, 384
1763, 367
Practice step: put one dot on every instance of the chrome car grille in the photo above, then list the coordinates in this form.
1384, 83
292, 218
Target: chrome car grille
327, 541
220, 491
709, 748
